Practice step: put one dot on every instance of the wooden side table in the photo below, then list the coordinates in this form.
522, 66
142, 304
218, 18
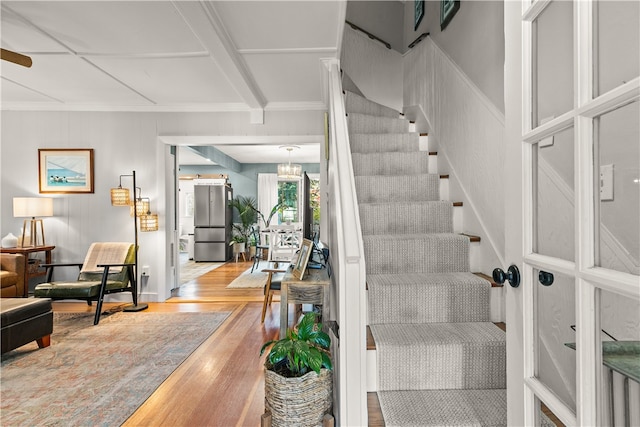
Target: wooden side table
313, 289
26, 251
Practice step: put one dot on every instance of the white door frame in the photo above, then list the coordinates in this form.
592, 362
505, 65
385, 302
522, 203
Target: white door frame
589, 279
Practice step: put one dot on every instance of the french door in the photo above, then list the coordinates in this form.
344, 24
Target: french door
579, 239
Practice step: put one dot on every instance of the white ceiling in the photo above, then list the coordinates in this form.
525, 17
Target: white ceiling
176, 56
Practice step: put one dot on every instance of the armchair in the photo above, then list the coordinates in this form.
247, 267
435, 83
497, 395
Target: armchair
108, 268
12, 269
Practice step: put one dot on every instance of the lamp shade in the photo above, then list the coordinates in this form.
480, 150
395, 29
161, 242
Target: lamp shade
142, 207
149, 222
120, 197
32, 207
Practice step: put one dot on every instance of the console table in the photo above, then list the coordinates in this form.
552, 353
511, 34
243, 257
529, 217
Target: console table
28, 274
313, 289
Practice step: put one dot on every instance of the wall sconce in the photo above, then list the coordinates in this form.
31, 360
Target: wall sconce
32, 207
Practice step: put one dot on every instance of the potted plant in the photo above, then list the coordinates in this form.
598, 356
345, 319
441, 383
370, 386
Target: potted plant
246, 209
298, 377
238, 244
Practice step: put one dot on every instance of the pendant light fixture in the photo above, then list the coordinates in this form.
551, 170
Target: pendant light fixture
289, 170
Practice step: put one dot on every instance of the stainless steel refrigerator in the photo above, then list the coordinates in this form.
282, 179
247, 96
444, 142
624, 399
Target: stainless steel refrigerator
212, 221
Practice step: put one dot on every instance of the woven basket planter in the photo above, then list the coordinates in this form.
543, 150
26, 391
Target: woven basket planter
301, 401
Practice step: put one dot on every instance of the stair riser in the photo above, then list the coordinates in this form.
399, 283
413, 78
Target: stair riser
416, 255
428, 304
360, 123
465, 366
357, 104
406, 218
390, 163
373, 189
383, 142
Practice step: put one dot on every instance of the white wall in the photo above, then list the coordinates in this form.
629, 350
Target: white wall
384, 19
467, 130
474, 39
123, 142
376, 70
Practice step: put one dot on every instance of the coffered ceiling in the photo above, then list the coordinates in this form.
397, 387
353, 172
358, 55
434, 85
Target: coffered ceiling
174, 56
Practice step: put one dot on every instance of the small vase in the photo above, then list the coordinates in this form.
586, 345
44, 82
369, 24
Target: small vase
9, 241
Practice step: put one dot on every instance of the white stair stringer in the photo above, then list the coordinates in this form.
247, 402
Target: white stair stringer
438, 358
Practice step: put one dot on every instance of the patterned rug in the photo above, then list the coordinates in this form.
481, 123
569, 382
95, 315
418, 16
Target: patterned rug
97, 375
257, 279
191, 270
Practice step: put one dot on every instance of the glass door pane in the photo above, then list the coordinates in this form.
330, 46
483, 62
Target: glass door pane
554, 191
553, 59
619, 319
617, 134
617, 44
555, 312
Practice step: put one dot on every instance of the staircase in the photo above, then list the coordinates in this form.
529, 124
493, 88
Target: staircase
439, 359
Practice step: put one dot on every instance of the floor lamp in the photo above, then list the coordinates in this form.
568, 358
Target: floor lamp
121, 197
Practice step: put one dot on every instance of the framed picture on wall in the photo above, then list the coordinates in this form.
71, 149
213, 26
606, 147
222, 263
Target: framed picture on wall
418, 13
448, 9
65, 170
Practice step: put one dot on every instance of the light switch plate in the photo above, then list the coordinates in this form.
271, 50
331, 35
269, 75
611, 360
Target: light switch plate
606, 183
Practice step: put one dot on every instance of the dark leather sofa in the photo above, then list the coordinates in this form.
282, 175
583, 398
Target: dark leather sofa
24, 320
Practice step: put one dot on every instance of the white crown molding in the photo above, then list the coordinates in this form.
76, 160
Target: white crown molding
329, 50
296, 106
196, 140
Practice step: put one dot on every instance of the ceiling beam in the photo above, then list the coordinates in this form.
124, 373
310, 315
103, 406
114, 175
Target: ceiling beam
217, 157
208, 27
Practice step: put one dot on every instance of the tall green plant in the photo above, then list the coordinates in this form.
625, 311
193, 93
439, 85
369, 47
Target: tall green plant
304, 349
267, 220
246, 209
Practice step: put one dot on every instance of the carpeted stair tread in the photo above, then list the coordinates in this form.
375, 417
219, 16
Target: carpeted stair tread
383, 142
466, 355
390, 163
416, 253
357, 104
364, 123
436, 408
406, 217
427, 298
395, 188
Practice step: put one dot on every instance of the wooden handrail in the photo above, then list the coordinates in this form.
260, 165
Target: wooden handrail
418, 40
371, 36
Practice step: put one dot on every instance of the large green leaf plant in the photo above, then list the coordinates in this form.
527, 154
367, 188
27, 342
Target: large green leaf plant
304, 349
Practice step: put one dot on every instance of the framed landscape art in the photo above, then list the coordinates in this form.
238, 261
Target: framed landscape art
65, 170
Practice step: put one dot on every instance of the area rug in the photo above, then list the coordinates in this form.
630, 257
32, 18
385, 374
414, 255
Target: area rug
247, 279
191, 270
97, 375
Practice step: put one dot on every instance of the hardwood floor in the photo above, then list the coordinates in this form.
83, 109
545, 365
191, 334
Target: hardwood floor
222, 382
